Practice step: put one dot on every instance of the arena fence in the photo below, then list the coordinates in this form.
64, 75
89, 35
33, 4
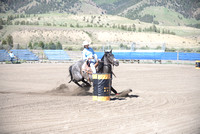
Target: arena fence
73, 56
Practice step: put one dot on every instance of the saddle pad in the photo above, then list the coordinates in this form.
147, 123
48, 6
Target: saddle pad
86, 68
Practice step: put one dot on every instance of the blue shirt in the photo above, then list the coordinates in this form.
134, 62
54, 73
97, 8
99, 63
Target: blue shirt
88, 53
11, 55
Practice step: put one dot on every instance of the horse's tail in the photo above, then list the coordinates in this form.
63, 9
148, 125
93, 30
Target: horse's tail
70, 73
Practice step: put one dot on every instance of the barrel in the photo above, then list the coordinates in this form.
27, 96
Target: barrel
197, 66
101, 87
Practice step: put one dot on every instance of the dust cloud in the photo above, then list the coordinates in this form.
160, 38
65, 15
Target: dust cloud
68, 90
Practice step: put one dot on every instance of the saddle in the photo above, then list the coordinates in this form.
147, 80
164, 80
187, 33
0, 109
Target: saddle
86, 67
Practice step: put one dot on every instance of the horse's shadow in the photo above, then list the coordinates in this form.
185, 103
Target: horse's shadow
133, 96
123, 98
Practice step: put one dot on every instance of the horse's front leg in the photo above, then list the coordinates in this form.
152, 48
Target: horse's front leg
77, 83
114, 91
87, 84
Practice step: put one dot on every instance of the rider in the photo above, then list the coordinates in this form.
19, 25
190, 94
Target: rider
12, 56
89, 55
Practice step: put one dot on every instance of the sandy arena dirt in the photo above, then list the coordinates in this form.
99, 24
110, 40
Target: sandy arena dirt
37, 98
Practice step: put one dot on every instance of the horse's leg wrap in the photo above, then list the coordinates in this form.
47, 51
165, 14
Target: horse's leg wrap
77, 83
88, 84
114, 91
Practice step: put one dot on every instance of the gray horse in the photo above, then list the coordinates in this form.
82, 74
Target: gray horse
104, 66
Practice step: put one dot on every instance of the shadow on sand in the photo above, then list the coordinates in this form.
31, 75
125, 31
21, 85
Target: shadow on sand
124, 98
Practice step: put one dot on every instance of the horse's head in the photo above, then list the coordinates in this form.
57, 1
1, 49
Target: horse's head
110, 58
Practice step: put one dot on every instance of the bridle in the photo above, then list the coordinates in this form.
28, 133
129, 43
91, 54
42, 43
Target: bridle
110, 62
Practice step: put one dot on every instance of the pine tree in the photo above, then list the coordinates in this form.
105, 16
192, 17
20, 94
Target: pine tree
4, 42
52, 46
58, 45
9, 40
41, 44
30, 46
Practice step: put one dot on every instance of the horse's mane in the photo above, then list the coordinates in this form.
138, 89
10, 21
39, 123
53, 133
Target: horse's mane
102, 57
100, 65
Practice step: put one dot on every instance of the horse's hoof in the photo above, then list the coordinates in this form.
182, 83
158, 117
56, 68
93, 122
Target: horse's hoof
87, 85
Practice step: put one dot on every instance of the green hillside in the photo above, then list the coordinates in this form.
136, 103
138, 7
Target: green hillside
116, 7
131, 8
101, 2
166, 16
164, 12
49, 6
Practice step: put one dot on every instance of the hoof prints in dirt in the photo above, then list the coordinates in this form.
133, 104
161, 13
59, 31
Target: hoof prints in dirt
67, 90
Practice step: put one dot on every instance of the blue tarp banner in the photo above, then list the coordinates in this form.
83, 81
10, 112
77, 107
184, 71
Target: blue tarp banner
153, 55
